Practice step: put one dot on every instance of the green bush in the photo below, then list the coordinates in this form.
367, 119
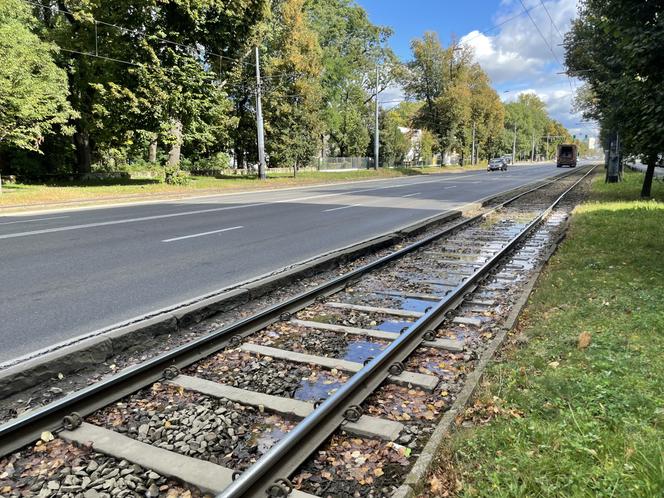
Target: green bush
176, 176
217, 162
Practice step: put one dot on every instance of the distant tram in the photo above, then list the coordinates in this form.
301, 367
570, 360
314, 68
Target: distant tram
567, 154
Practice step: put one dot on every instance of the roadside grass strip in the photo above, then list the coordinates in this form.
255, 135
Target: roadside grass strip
575, 404
141, 188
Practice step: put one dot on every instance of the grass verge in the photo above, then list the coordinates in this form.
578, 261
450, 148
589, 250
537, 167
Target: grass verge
574, 406
61, 192
20, 196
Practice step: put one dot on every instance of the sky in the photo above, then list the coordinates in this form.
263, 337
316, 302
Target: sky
519, 54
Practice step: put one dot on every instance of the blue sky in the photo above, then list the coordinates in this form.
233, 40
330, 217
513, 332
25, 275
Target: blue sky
520, 54
411, 18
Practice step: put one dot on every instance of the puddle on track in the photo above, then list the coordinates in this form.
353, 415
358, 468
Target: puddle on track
319, 388
360, 351
392, 326
270, 435
412, 304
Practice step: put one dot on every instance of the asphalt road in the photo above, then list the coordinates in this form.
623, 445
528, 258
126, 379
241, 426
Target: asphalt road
67, 273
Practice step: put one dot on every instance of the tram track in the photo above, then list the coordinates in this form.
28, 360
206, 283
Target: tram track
435, 295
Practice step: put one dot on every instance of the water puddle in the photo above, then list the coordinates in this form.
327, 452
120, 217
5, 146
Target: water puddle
360, 351
412, 304
390, 326
439, 369
319, 387
273, 431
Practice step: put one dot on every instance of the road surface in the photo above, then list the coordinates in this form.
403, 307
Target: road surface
67, 273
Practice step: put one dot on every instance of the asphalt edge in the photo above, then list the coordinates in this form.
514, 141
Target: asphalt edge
414, 482
97, 346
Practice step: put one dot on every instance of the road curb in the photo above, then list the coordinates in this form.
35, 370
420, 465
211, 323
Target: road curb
415, 480
96, 347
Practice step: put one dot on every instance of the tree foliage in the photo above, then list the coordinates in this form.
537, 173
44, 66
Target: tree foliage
174, 82
455, 95
291, 109
33, 90
617, 48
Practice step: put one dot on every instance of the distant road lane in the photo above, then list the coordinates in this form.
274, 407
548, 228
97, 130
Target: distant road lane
67, 273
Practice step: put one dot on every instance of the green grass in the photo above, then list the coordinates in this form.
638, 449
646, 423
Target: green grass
577, 422
20, 196
93, 191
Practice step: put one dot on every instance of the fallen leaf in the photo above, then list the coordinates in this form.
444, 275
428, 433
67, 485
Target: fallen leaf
584, 340
378, 472
435, 485
554, 364
46, 436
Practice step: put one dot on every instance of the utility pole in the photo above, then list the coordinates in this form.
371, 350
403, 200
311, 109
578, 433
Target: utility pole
376, 142
514, 146
472, 155
532, 150
547, 146
259, 122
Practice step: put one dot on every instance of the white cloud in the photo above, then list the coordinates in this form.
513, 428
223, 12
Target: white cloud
500, 63
519, 58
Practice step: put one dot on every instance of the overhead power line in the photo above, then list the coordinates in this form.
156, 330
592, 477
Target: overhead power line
143, 34
481, 32
540, 33
553, 23
545, 40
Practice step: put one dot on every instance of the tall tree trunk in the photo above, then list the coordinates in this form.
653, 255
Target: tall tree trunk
650, 172
174, 153
152, 150
83, 152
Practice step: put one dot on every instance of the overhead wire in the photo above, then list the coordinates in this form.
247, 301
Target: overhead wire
215, 55
545, 40
553, 23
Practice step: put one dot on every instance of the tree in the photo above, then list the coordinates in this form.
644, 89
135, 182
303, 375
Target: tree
167, 65
405, 113
487, 113
394, 145
352, 48
33, 90
529, 115
292, 71
617, 47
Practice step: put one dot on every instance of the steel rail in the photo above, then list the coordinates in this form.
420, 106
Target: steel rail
268, 475
27, 428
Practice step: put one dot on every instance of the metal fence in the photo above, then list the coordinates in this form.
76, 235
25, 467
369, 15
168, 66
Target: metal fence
343, 163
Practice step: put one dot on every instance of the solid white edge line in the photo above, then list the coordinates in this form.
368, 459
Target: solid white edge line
202, 234
184, 198
32, 220
339, 208
200, 211
411, 195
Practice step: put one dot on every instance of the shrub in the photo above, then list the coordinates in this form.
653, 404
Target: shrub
215, 163
176, 176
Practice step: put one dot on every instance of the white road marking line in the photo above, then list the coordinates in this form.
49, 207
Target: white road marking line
202, 234
339, 208
202, 211
451, 186
411, 195
33, 219
198, 211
